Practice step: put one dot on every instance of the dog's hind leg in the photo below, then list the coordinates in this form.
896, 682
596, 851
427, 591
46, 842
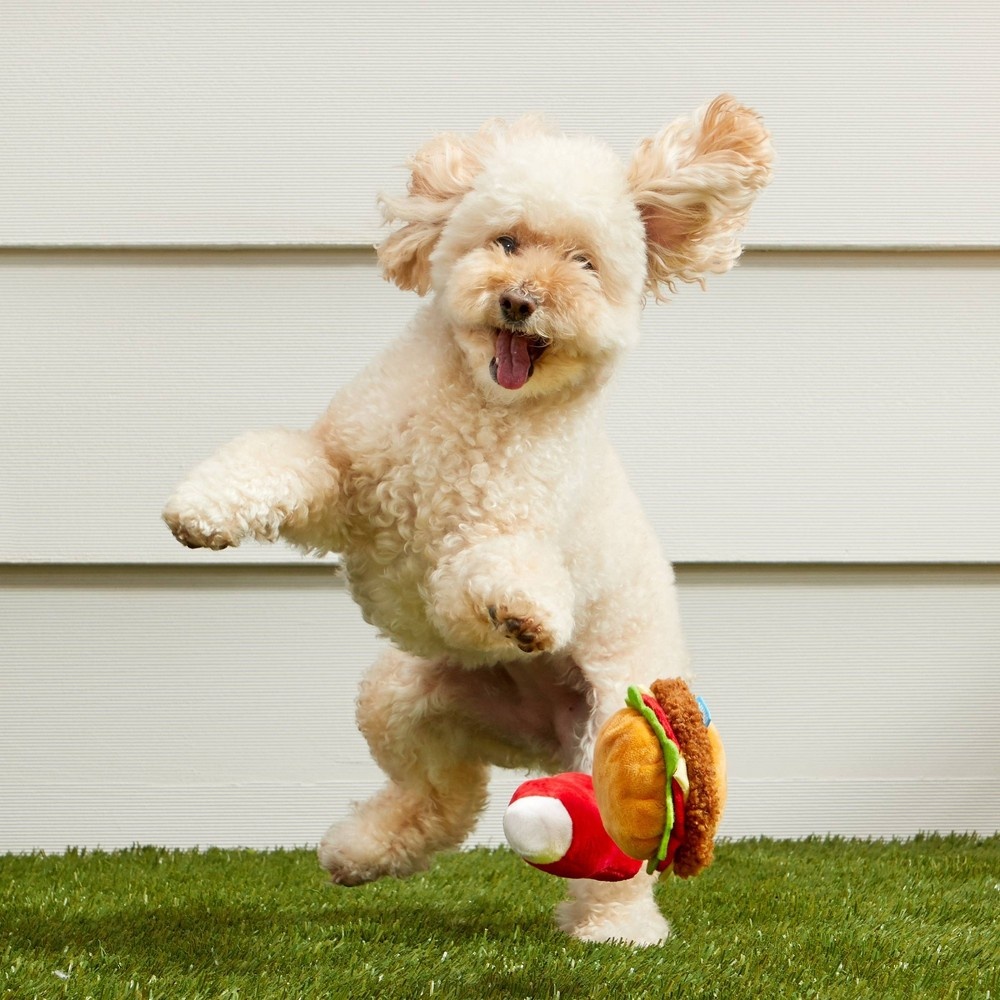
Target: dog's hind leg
437, 781
613, 911
609, 661
610, 911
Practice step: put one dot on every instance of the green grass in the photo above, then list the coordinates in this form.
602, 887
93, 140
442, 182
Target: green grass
818, 918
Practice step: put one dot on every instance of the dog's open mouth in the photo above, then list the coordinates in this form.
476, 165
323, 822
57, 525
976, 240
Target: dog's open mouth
516, 353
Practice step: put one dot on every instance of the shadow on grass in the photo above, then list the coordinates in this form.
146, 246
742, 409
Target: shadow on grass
213, 935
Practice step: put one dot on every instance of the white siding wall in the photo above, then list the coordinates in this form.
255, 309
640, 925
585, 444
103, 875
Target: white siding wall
186, 199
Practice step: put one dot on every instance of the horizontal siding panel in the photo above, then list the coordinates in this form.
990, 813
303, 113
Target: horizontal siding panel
260, 815
187, 707
137, 122
264, 816
822, 408
810, 407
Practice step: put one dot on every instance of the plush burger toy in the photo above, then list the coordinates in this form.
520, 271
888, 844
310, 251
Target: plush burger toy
655, 798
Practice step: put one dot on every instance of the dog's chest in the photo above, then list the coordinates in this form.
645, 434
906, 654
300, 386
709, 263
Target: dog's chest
431, 487
433, 482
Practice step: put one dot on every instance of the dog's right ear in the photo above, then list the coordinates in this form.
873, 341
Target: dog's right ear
693, 184
441, 173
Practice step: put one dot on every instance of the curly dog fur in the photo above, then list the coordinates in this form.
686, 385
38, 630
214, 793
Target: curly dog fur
483, 519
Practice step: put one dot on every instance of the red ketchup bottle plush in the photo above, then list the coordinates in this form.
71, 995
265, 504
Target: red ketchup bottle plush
655, 798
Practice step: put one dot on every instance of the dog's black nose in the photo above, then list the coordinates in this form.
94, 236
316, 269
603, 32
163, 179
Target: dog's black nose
516, 307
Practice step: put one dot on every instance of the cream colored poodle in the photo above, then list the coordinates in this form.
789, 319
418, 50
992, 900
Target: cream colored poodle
484, 521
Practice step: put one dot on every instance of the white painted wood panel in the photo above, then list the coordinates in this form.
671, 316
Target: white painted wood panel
188, 707
264, 815
133, 121
809, 407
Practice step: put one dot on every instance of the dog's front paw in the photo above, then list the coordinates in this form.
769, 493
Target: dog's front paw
196, 533
529, 634
504, 597
200, 523
506, 626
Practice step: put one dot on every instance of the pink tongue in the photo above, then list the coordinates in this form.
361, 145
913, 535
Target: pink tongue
513, 360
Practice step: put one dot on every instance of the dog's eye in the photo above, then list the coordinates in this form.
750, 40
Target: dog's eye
508, 243
584, 261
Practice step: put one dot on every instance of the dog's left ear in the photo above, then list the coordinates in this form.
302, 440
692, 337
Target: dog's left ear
441, 173
694, 183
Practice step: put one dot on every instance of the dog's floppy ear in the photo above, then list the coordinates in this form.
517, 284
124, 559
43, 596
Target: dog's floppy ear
694, 183
441, 172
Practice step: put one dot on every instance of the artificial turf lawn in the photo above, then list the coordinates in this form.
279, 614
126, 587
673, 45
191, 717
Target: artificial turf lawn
816, 918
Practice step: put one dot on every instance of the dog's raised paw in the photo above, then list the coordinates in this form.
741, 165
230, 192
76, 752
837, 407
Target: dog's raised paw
199, 540
198, 533
527, 634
